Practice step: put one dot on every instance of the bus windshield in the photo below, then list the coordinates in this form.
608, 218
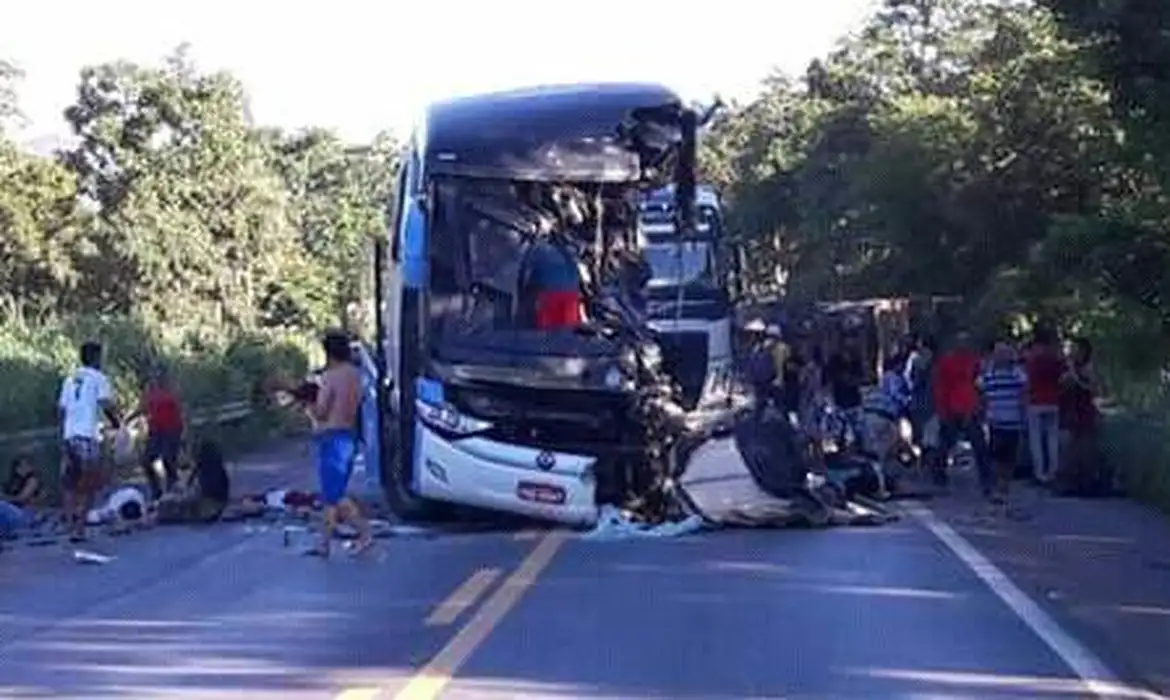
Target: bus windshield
678, 263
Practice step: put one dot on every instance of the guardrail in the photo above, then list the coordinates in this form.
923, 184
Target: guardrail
215, 415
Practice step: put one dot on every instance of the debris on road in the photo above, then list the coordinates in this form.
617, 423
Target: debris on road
616, 524
759, 477
82, 556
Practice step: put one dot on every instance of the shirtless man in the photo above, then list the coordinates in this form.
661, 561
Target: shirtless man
334, 414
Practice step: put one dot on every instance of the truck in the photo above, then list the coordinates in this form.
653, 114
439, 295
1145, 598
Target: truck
519, 367
691, 304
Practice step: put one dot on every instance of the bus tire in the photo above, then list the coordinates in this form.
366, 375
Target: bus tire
400, 497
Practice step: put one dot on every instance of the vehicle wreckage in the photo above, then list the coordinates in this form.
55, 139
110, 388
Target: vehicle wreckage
518, 370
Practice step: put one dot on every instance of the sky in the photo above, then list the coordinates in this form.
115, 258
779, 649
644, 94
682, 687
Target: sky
361, 67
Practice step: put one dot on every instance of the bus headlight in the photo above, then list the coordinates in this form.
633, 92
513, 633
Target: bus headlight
614, 379
446, 418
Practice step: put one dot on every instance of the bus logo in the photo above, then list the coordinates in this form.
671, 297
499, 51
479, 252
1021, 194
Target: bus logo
546, 460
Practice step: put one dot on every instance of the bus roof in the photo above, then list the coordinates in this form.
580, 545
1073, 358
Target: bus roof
561, 133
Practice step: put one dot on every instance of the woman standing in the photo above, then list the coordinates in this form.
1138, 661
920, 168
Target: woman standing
1082, 469
1044, 367
813, 400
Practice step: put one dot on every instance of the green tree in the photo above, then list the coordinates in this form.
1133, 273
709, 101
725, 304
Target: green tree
193, 227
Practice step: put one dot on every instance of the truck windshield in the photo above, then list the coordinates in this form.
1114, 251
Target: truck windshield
679, 263
659, 219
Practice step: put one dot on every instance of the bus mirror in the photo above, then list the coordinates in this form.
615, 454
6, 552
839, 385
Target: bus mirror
710, 113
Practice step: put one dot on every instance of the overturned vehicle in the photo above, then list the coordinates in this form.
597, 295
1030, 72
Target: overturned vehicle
518, 370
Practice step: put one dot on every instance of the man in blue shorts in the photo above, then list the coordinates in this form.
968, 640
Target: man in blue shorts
334, 412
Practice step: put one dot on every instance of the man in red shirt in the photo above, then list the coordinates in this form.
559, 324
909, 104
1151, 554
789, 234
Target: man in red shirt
1044, 367
164, 425
956, 401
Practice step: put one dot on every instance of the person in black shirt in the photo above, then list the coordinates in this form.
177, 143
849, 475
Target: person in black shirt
209, 497
22, 491
844, 376
791, 394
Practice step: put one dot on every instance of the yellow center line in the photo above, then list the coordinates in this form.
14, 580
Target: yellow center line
462, 598
432, 678
359, 694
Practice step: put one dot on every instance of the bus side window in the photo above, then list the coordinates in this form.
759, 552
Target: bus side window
397, 209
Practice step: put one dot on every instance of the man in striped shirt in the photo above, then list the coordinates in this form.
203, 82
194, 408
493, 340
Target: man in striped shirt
1003, 385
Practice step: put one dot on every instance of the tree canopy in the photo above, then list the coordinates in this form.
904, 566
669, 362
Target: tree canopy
175, 208
1009, 152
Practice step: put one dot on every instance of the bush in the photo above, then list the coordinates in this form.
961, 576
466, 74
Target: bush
1136, 433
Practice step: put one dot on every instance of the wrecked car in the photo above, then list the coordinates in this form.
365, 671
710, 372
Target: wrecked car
519, 368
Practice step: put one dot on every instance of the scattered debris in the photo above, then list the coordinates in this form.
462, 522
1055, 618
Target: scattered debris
616, 524
82, 556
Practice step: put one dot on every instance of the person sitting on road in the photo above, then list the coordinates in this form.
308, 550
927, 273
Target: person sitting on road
205, 495
22, 493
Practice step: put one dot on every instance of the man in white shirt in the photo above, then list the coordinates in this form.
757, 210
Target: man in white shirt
85, 396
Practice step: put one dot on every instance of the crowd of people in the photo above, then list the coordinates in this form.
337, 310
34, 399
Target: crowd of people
1022, 408
184, 482
194, 486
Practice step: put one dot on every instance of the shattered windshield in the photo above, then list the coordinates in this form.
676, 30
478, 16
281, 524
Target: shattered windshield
680, 263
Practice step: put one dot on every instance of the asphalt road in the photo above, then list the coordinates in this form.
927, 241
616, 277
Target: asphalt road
228, 612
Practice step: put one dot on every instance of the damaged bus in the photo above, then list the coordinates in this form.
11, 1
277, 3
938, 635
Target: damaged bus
520, 372
690, 304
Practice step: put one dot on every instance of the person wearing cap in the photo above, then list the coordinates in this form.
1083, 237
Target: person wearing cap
761, 368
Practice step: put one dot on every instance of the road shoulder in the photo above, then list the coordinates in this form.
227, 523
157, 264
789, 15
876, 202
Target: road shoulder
1101, 566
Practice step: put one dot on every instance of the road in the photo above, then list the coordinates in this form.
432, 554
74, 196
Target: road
229, 612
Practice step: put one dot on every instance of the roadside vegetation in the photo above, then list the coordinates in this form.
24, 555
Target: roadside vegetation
1015, 154
176, 232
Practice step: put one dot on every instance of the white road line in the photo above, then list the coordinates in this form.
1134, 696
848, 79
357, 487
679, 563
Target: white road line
1098, 679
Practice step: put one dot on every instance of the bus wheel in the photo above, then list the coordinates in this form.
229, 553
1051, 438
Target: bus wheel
402, 500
